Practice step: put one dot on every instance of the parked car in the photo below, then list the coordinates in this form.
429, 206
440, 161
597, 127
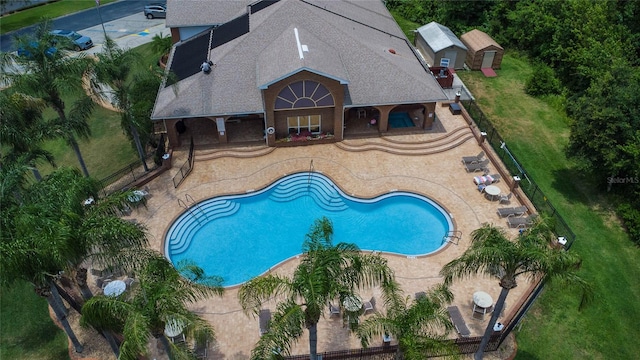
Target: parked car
27, 51
73, 40
155, 11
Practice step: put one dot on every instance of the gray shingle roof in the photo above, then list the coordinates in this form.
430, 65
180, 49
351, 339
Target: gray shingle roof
204, 12
353, 50
439, 37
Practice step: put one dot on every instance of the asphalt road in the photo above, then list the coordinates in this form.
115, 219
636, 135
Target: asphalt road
82, 20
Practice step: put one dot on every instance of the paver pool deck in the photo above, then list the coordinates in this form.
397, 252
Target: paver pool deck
439, 176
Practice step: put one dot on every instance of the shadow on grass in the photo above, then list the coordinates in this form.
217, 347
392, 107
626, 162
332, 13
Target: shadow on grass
576, 187
27, 331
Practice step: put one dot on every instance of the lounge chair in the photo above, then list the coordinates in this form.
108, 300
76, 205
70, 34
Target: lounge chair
458, 321
520, 222
480, 166
506, 198
486, 179
512, 211
265, 319
369, 305
473, 159
333, 310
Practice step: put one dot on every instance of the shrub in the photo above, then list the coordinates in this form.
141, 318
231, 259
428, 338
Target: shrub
543, 81
630, 216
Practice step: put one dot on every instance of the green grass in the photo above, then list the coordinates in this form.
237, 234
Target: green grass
537, 134
26, 330
50, 10
107, 151
406, 26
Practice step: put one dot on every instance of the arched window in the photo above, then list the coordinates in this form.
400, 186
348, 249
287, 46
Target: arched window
304, 94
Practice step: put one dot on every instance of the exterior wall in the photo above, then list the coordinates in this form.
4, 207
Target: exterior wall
426, 50
474, 57
332, 117
460, 57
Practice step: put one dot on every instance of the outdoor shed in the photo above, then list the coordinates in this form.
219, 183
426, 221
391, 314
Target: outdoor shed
440, 46
482, 51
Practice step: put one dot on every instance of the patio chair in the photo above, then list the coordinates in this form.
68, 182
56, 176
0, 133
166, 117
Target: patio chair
369, 305
479, 166
201, 349
264, 319
520, 222
333, 310
473, 159
458, 321
506, 198
494, 178
512, 211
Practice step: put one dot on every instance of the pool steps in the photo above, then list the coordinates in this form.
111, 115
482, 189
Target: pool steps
182, 230
318, 188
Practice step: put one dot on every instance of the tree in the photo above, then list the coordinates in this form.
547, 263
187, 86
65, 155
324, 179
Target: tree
49, 74
530, 254
419, 326
23, 130
603, 133
161, 296
49, 219
114, 66
326, 272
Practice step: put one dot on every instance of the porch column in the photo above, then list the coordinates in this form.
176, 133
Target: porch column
172, 133
222, 131
383, 123
429, 115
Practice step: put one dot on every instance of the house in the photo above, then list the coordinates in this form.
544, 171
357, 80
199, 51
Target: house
483, 52
440, 46
289, 72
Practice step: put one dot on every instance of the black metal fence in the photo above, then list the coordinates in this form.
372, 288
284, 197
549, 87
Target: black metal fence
390, 352
186, 168
527, 184
124, 177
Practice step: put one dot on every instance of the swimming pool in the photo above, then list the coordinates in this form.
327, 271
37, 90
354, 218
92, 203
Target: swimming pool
400, 120
242, 236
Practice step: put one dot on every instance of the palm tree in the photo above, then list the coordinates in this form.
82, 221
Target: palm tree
95, 233
530, 254
161, 296
50, 75
326, 272
419, 326
23, 130
114, 68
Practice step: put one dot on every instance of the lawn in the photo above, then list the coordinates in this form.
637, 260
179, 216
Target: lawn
107, 151
25, 336
537, 134
50, 10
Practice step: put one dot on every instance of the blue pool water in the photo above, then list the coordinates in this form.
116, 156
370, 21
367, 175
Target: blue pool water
241, 236
400, 120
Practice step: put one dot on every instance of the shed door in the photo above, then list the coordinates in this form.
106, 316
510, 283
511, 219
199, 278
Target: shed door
451, 55
487, 59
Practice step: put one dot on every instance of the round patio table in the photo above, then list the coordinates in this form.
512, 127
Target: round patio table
492, 191
482, 299
115, 288
173, 328
352, 303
